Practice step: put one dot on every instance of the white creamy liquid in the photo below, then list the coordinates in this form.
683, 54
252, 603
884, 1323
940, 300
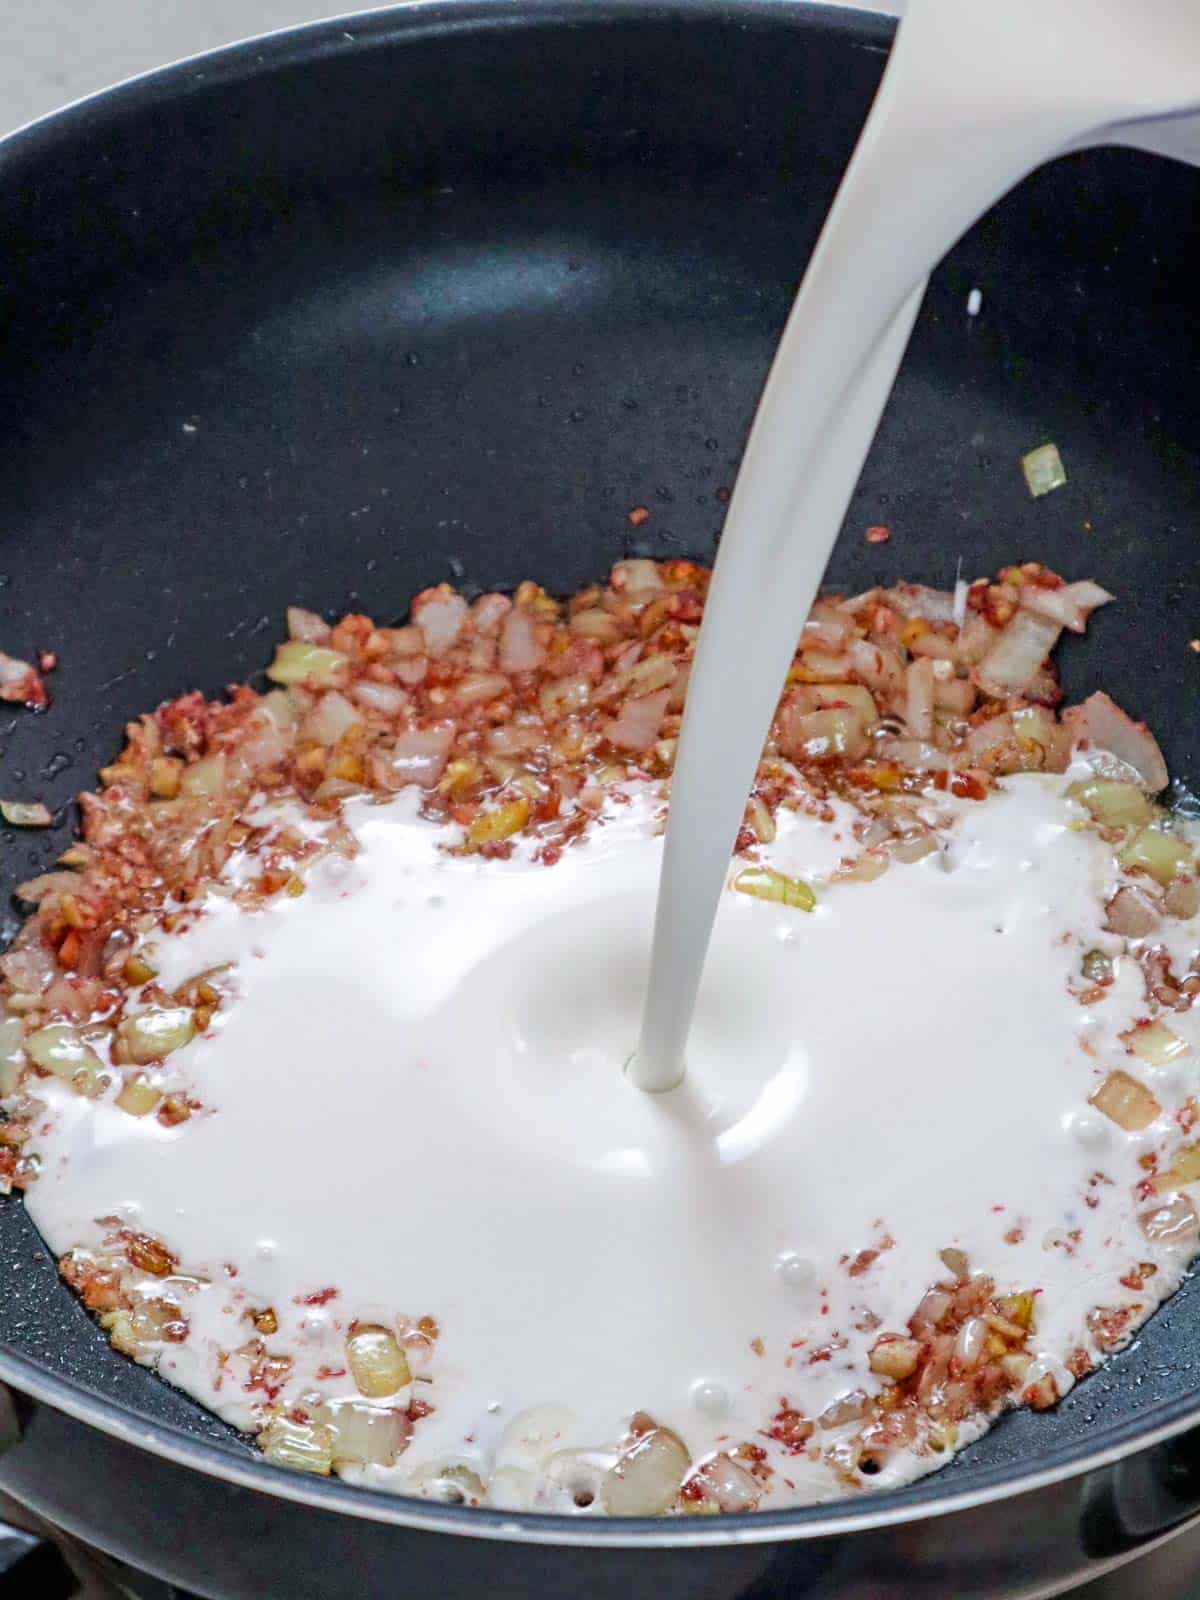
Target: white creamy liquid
416, 1099
974, 97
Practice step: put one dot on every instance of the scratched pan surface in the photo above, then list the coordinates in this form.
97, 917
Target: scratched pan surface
443, 293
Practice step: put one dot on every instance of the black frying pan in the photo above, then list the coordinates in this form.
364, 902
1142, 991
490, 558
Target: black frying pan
444, 292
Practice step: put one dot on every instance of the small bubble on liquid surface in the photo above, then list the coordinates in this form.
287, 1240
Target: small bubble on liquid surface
709, 1397
1087, 1129
796, 1271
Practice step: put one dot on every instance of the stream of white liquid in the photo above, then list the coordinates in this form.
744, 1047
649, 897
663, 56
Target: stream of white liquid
975, 96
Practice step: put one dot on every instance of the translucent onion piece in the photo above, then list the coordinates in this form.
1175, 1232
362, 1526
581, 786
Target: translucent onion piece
831, 696
647, 1476
1156, 1043
1172, 1223
819, 735
385, 698
139, 1097
636, 725
366, 1435
151, 1035
894, 1357
419, 755
60, 1050
477, 688
1104, 727
306, 625
1160, 855
638, 579
1182, 898
918, 702
1126, 1102
1044, 470
205, 777
1014, 660
377, 1364
1184, 1168
25, 814
330, 719
520, 650
12, 1054
559, 697
489, 827
764, 883
852, 1406
311, 664
1132, 913
303, 1446
727, 1482
440, 614
1116, 805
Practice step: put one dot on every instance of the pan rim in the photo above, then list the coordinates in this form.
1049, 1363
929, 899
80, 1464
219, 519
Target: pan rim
345, 34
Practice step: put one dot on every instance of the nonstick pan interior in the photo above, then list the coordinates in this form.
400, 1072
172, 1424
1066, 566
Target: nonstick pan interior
444, 293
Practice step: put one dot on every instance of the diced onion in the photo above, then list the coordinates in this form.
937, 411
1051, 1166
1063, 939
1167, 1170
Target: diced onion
303, 1446
819, 735
1070, 604
1172, 1223
477, 688
330, 719
1115, 804
139, 1097
1132, 913
639, 580
59, 1049
520, 650
636, 725
1160, 855
205, 777
833, 696
306, 626
852, 1406
419, 755
559, 697
385, 698
647, 1476
366, 1435
311, 664
377, 1363
728, 1483
1155, 1043
151, 1035
12, 1054
25, 814
1044, 470
894, 1357
1101, 725
1014, 659
489, 827
918, 702
764, 883
441, 615
1184, 1168
1126, 1102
